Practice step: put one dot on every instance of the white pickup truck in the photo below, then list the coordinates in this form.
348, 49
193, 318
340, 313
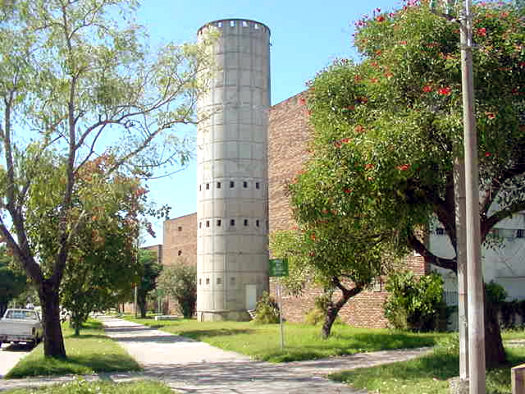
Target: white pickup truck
21, 325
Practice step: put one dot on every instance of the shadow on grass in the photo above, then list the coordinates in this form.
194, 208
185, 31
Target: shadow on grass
198, 334
372, 341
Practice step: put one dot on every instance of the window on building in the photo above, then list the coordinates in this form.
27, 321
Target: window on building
207, 223
200, 187
257, 185
520, 233
245, 184
232, 222
257, 222
180, 228
440, 231
207, 186
232, 280
218, 222
218, 185
207, 281
232, 184
200, 281
200, 224
179, 253
245, 222
219, 281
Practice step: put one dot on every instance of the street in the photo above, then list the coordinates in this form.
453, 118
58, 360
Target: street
10, 354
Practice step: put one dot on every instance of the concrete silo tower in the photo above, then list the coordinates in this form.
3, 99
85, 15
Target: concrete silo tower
232, 139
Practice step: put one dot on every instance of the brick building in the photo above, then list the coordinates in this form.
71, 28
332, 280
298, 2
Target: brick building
288, 136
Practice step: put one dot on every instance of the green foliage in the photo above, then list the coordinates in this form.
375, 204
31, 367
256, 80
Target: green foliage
267, 310
318, 313
150, 269
495, 292
81, 386
179, 281
77, 81
87, 354
13, 282
388, 129
414, 303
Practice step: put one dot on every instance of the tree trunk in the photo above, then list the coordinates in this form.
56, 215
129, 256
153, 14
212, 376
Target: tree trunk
494, 352
53, 339
141, 301
334, 308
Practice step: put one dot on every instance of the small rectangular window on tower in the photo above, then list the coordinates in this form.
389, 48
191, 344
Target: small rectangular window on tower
180, 228
207, 223
245, 184
218, 222
257, 222
257, 185
207, 186
218, 185
245, 222
232, 184
232, 222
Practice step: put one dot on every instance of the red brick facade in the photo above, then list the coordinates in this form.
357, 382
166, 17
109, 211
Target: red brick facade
288, 136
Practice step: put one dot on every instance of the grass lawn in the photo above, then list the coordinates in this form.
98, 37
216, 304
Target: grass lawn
82, 387
302, 342
428, 374
90, 352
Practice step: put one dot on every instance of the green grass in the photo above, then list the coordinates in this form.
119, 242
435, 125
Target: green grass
427, 374
302, 342
80, 386
88, 353
515, 333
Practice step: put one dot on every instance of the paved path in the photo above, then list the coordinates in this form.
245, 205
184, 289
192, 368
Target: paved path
10, 355
196, 367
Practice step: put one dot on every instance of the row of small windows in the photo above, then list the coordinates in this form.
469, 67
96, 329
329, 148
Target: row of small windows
232, 185
504, 233
232, 223
219, 281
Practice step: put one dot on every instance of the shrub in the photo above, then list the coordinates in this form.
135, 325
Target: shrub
317, 314
267, 310
415, 304
179, 281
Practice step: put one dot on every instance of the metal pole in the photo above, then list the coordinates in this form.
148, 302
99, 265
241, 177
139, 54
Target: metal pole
476, 330
461, 258
135, 302
280, 312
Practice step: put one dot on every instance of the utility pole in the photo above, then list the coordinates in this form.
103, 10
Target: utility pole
476, 330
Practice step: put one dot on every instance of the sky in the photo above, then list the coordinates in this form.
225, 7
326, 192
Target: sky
306, 36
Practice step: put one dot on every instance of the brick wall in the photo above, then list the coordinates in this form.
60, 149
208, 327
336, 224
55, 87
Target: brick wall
180, 240
288, 134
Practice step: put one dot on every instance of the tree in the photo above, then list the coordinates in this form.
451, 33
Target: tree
12, 281
150, 269
387, 130
76, 78
102, 261
342, 255
179, 281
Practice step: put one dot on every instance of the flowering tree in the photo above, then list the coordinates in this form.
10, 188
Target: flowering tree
387, 130
76, 79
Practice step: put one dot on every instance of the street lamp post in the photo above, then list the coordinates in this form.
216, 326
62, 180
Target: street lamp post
476, 330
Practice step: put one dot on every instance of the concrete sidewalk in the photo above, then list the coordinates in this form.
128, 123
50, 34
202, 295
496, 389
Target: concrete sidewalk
189, 366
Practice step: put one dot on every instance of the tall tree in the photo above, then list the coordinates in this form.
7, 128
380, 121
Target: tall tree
387, 130
149, 270
75, 78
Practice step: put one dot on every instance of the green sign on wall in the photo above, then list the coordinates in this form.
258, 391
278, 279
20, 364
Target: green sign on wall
278, 267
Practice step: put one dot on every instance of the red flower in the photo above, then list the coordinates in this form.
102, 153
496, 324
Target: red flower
312, 254
427, 88
359, 129
346, 140
488, 154
350, 107
482, 31
445, 91
374, 64
403, 167
388, 75
357, 78
374, 80
490, 115
347, 191
380, 18
302, 100
369, 166
379, 52
313, 237
403, 42
362, 100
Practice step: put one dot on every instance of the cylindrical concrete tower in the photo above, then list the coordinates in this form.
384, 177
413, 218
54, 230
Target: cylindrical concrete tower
232, 172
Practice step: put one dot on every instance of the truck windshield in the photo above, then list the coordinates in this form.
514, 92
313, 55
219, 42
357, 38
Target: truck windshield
21, 315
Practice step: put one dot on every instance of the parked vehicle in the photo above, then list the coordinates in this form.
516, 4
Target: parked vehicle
21, 325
